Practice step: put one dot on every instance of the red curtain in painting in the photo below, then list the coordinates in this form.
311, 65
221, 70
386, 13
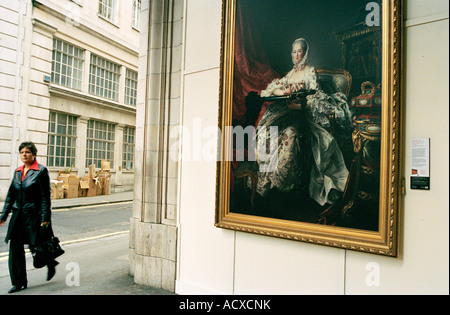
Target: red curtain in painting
252, 70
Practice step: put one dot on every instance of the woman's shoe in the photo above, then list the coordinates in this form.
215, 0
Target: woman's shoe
17, 288
51, 270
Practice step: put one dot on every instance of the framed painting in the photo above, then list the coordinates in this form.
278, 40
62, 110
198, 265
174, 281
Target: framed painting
310, 120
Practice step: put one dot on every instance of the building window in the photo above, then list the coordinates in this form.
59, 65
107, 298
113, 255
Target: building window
131, 87
108, 9
67, 64
136, 13
62, 138
128, 148
99, 143
104, 78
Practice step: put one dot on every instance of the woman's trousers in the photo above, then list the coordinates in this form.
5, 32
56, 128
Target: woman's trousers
17, 262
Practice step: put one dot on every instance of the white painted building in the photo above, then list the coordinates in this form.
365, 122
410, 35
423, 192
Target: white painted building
68, 82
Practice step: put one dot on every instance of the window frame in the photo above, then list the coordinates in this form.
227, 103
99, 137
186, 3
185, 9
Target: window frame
131, 84
62, 62
103, 71
136, 13
98, 148
67, 152
109, 10
128, 148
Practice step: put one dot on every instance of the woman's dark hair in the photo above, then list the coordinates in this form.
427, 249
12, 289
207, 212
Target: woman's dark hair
30, 145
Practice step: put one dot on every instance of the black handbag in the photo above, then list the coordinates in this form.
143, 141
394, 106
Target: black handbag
48, 249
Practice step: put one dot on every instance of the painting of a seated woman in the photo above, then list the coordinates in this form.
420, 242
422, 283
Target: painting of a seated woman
309, 165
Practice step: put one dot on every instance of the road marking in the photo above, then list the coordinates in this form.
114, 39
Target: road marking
94, 237
5, 255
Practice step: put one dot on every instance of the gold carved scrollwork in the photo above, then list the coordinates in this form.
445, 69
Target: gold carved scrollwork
357, 141
364, 131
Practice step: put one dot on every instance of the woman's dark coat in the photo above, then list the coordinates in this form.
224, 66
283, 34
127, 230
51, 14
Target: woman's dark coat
29, 201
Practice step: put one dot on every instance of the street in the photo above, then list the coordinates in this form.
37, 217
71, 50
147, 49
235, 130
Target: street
96, 241
73, 224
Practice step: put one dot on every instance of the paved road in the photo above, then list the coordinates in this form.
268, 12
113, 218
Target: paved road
84, 222
96, 241
96, 267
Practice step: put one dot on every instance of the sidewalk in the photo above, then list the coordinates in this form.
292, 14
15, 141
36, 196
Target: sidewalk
89, 201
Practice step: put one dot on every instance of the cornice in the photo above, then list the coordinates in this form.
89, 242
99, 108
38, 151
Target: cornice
44, 26
92, 99
84, 26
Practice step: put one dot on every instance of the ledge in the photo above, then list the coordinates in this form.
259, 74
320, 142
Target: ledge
113, 23
81, 96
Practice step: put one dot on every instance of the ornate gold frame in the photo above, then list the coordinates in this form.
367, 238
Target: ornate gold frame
383, 242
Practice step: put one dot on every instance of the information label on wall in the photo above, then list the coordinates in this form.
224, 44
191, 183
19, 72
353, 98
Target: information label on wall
420, 163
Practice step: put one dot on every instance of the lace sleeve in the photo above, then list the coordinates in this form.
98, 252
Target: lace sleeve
342, 112
320, 106
276, 84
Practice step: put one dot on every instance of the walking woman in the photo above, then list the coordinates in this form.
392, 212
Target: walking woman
29, 200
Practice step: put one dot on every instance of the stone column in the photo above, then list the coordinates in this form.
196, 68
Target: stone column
80, 152
86, 71
153, 231
118, 150
122, 79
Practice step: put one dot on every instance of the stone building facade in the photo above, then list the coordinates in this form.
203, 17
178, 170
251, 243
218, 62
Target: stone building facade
69, 84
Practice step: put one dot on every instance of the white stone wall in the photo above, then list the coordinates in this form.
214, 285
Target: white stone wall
12, 33
217, 261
